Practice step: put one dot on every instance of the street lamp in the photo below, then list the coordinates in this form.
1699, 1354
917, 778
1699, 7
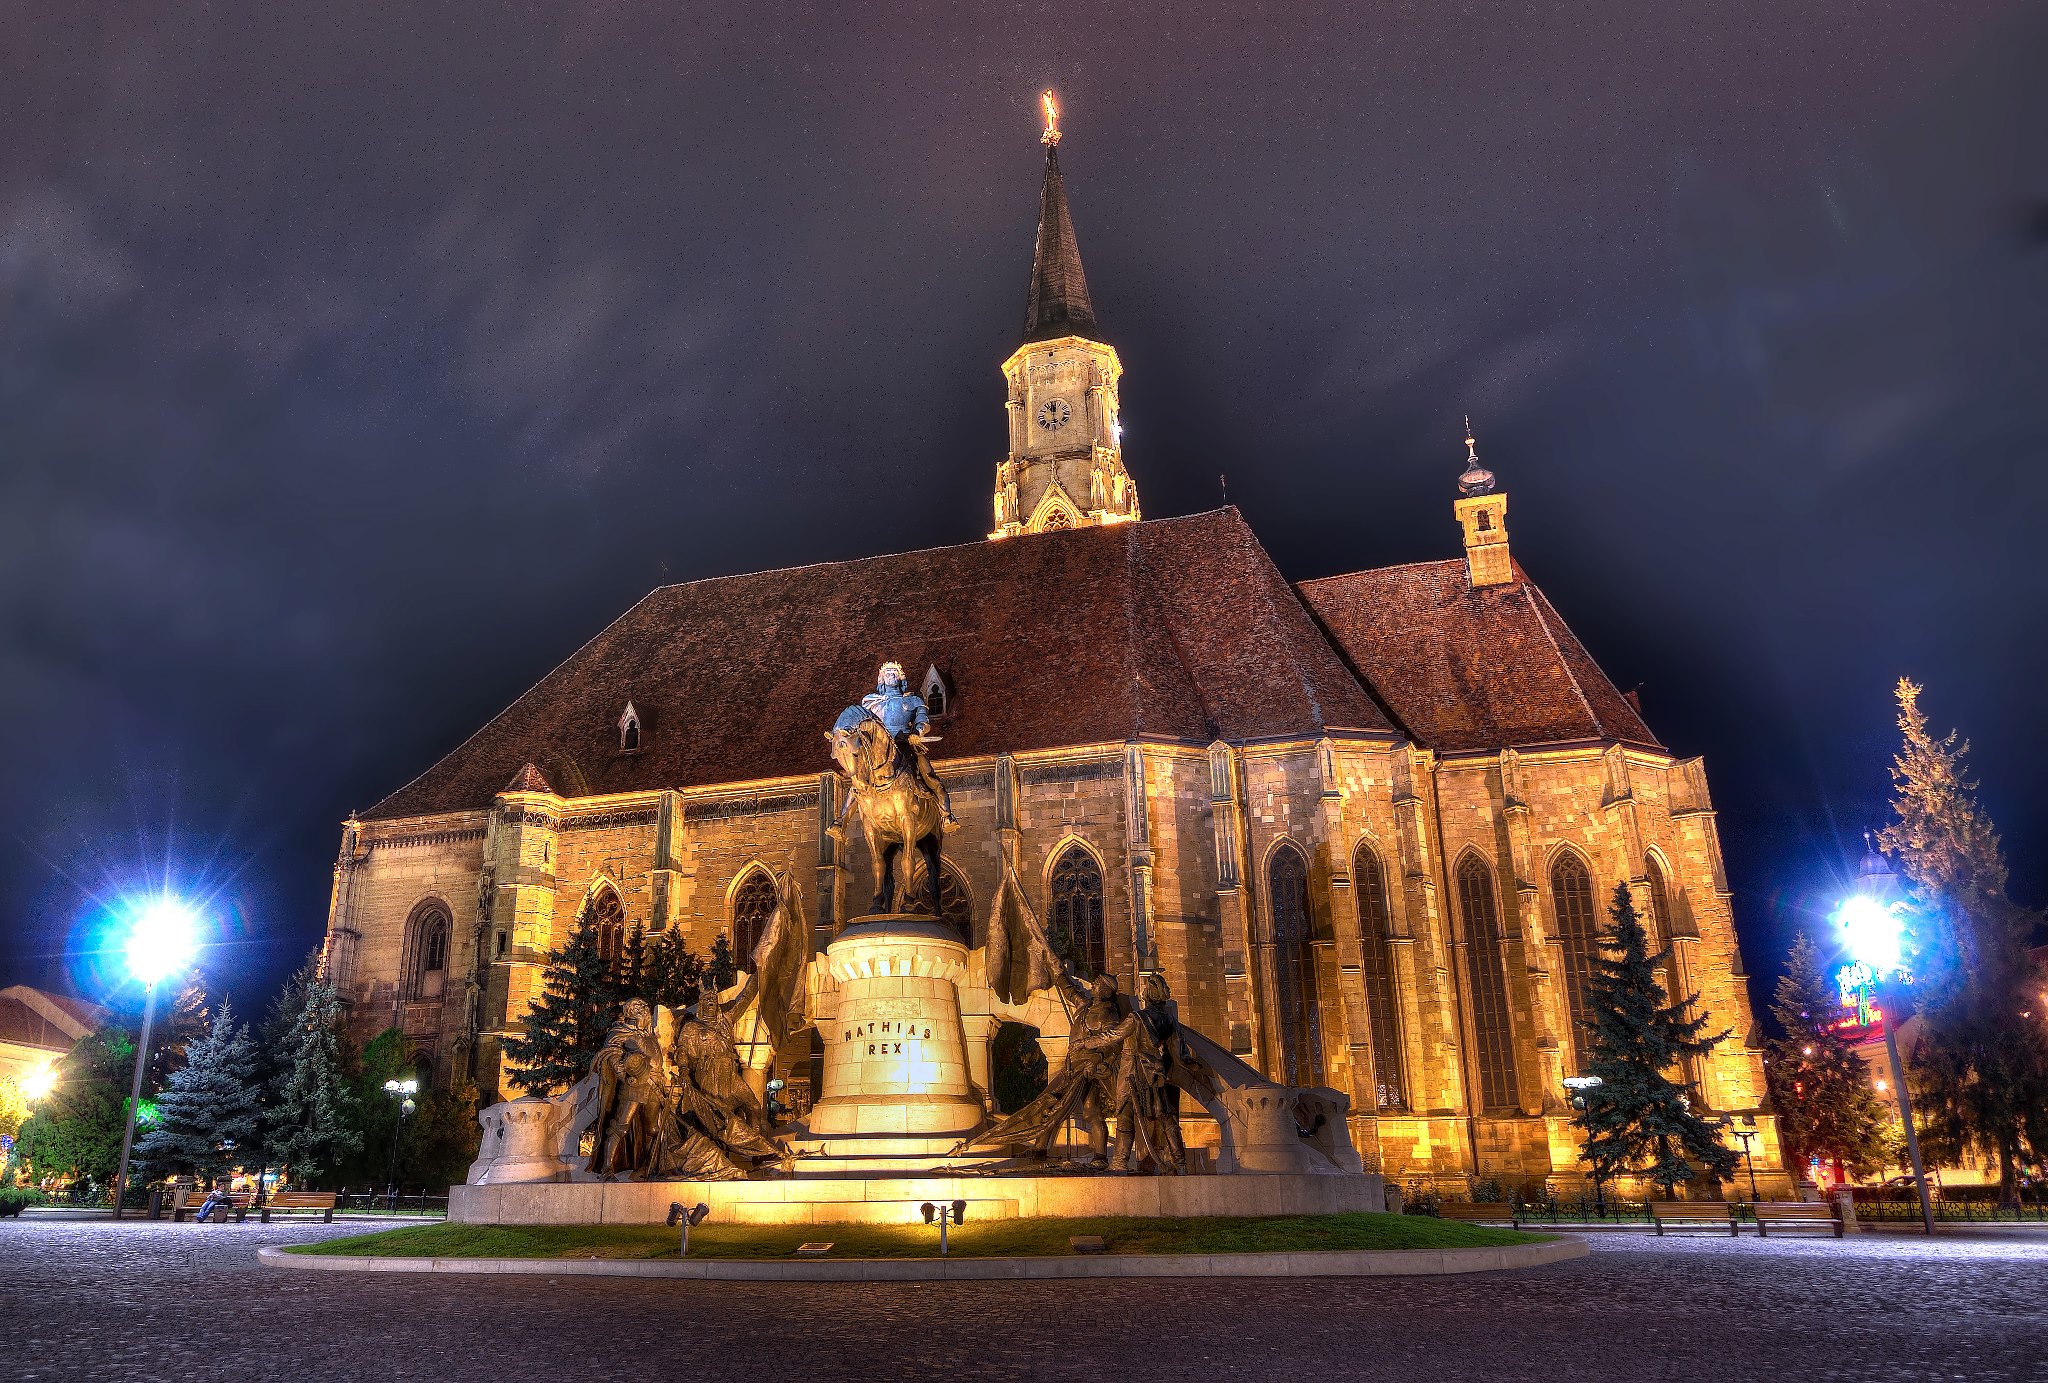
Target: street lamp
1873, 931
1747, 1132
38, 1084
402, 1091
161, 940
1580, 1090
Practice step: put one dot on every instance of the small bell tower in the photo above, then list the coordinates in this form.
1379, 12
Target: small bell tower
1483, 514
1066, 462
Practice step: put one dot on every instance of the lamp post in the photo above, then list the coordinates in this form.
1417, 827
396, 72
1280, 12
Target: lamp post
1579, 1089
160, 943
1873, 932
402, 1091
944, 1214
1746, 1131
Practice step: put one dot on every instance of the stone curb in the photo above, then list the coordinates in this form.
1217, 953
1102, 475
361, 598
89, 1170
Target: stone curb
1352, 1263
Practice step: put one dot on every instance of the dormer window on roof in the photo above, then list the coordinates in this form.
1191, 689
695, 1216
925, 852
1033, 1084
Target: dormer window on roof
629, 730
934, 692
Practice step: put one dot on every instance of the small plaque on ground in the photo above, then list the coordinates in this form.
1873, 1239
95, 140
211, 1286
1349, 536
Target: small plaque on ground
813, 1250
1086, 1243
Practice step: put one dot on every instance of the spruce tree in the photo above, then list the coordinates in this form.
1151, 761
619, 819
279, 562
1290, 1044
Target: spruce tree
209, 1116
311, 1126
671, 972
1639, 1119
1980, 1059
722, 970
566, 1025
1819, 1085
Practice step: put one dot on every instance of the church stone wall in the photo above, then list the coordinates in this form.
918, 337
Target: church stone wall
387, 874
1201, 843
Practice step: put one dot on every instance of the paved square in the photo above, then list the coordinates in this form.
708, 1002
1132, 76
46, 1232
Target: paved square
92, 1300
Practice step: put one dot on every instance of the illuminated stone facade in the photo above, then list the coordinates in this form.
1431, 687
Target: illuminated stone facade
1363, 825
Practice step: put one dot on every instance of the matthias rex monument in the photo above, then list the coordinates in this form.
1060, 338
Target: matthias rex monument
676, 1097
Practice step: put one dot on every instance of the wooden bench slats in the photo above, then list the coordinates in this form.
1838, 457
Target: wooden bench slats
1798, 1214
1693, 1215
322, 1201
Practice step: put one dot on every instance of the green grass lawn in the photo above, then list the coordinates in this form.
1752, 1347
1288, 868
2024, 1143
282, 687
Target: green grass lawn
1018, 1238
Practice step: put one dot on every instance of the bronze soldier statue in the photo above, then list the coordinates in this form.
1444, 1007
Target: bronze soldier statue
635, 1126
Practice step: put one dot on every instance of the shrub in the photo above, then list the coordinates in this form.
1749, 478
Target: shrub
15, 1199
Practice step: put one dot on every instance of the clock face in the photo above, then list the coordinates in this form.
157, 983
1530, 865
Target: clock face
1053, 414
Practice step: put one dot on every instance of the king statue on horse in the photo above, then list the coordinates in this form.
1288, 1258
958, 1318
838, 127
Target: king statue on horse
880, 745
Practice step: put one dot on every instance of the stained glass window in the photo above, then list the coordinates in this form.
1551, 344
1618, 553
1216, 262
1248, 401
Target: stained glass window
1492, 1023
1382, 998
1299, 1021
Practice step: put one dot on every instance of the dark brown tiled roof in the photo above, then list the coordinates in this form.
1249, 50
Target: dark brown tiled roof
21, 1021
1471, 669
1179, 629
1059, 304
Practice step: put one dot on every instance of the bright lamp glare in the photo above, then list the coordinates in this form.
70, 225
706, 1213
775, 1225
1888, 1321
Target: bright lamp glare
161, 940
1872, 931
39, 1082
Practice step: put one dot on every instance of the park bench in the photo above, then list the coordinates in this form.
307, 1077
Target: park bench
1693, 1215
187, 1201
308, 1201
1478, 1213
1794, 1215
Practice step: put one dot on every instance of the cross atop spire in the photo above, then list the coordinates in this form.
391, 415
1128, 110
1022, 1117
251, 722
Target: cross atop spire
1059, 304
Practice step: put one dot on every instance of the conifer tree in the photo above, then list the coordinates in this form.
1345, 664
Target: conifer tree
1980, 1060
311, 1126
671, 973
1639, 1118
723, 969
1819, 1085
209, 1116
565, 1027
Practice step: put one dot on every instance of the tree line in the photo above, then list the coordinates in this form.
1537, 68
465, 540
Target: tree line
289, 1094
1976, 1054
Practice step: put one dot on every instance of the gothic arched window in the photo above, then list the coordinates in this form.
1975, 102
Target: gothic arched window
1057, 519
1578, 933
934, 692
1659, 919
1299, 1021
1382, 999
753, 904
1076, 932
1493, 1026
426, 973
956, 905
608, 916
629, 729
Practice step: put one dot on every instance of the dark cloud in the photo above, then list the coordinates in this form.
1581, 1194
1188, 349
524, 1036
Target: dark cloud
356, 364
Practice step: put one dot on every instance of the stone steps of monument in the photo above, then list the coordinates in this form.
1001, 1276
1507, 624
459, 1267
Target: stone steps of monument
836, 1166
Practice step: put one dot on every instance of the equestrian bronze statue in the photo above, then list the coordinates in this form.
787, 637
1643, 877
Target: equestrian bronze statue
880, 745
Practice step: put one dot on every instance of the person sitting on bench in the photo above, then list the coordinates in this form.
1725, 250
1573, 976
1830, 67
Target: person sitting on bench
216, 1200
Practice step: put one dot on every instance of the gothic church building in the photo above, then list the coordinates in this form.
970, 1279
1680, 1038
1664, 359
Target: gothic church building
1367, 826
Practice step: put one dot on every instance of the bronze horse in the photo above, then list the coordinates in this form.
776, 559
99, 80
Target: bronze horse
896, 809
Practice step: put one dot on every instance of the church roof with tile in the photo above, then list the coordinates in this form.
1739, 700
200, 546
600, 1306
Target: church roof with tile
1174, 629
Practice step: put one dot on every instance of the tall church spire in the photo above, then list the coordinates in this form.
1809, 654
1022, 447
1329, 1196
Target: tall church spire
1059, 303
1066, 463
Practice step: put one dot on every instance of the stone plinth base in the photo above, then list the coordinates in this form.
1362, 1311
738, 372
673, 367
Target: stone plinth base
895, 1200
896, 1064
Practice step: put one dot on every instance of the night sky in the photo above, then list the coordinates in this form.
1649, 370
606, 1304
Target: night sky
358, 362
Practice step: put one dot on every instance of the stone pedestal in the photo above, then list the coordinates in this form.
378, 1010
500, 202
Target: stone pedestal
897, 1077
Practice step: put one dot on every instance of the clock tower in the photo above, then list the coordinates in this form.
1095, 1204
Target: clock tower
1066, 462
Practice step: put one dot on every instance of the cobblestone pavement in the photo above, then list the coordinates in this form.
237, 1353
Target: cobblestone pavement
97, 1300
